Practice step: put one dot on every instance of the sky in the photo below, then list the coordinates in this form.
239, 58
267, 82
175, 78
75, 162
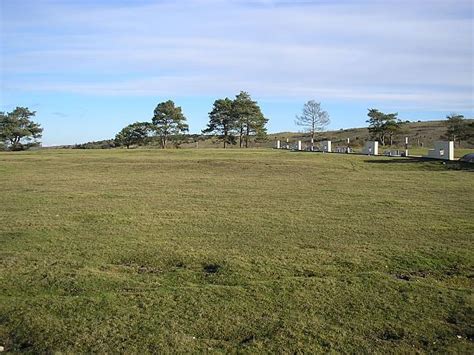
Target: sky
90, 67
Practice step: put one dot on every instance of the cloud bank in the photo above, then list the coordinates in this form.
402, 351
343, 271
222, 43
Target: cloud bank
415, 54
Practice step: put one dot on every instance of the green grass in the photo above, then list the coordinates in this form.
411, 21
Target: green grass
247, 251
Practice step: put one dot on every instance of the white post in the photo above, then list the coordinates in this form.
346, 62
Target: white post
299, 145
451, 150
406, 146
287, 143
278, 145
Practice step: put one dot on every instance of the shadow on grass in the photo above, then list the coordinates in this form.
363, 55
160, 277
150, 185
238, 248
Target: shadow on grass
425, 163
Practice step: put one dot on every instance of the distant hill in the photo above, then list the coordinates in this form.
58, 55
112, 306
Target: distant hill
420, 134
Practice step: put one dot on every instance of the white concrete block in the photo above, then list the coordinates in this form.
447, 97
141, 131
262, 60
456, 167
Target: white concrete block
326, 146
371, 148
442, 150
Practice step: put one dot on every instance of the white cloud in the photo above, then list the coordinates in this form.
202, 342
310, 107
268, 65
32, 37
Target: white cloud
413, 53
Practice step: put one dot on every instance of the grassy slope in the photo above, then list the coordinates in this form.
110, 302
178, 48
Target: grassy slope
254, 250
418, 133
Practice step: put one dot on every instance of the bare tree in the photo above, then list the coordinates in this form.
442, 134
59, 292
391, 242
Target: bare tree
313, 119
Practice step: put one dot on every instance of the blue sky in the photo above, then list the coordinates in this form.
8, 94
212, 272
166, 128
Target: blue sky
91, 67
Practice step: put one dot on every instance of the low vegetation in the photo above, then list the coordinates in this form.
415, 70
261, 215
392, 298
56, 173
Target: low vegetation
225, 250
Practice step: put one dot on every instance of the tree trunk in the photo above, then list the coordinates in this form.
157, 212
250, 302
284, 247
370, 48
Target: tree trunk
15, 142
247, 134
312, 141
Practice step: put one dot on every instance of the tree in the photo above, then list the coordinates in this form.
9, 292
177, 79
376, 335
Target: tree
383, 125
17, 129
313, 119
469, 136
222, 121
457, 128
169, 122
249, 118
376, 125
393, 126
135, 133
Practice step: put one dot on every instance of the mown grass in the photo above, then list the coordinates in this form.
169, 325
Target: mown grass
247, 251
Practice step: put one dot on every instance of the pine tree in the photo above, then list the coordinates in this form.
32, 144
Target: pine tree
250, 119
169, 122
222, 121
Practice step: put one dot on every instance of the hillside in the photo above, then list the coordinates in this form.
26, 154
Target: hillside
420, 134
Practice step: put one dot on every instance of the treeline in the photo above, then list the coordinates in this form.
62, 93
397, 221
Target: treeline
238, 121
103, 144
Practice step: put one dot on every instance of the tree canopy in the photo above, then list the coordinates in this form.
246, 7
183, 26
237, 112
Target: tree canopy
383, 125
241, 117
469, 136
135, 133
17, 130
458, 129
313, 119
222, 121
169, 122
249, 117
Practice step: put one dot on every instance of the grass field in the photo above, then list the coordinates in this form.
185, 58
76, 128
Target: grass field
242, 250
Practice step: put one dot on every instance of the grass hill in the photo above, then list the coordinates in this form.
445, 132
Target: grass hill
420, 135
